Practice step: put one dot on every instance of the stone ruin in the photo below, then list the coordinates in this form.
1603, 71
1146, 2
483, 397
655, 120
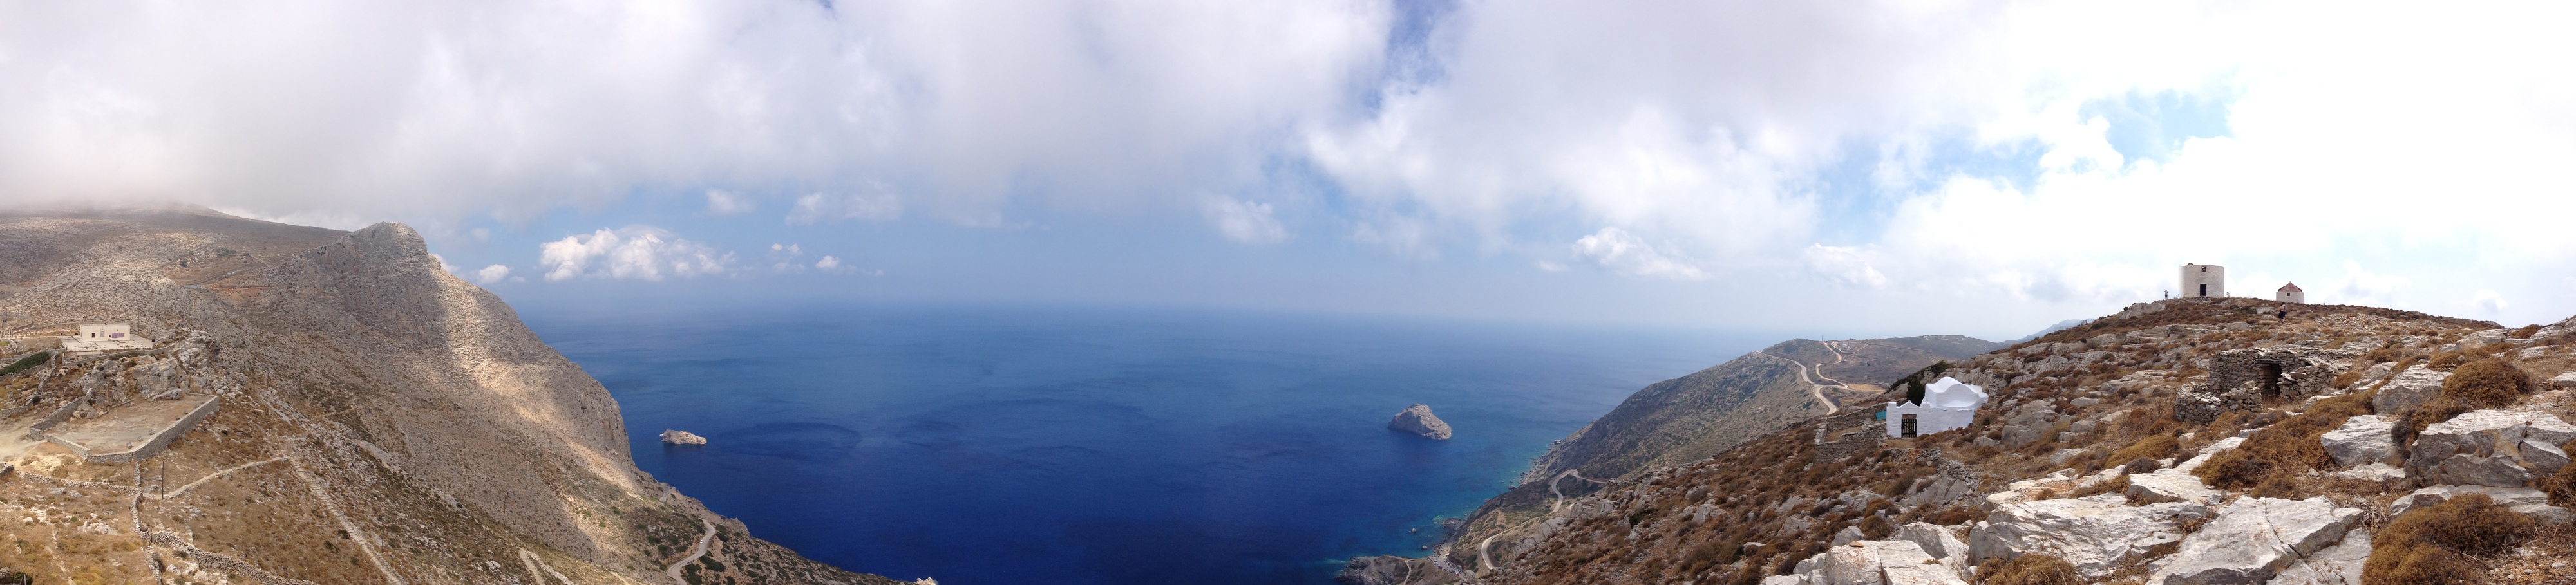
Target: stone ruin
2239, 379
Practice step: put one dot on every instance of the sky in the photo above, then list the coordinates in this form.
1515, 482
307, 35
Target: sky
1846, 168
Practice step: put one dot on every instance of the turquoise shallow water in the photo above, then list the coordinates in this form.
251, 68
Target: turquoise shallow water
994, 445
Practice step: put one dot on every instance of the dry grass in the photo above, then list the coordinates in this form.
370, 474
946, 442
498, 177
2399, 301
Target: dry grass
2438, 545
2271, 461
2031, 569
2482, 384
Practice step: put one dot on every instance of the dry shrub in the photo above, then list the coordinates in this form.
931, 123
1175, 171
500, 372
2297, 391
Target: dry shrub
2283, 450
2561, 486
2482, 384
2031, 569
2434, 545
2148, 447
2523, 333
2145, 465
2446, 361
2112, 486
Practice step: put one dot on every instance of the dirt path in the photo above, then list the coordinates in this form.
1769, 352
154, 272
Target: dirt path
1813, 389
694, 553
184, 488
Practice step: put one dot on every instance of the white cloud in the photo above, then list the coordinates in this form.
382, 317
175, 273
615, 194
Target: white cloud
1625, 253
1844, 265
827, 264
1245, 221
467, 108
2488, 301
491, 274
633, 252
818, 207
721, 202
2360, 287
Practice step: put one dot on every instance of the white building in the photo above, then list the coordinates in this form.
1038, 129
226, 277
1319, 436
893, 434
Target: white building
2290, 293
106, 337
2203, 280
1947, 404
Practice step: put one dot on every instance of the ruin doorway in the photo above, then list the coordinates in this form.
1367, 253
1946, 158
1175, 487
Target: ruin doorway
2269, 374
1905, 426
2204, 290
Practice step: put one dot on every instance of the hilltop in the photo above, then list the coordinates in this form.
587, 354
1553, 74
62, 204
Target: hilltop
374, 420
2184, 441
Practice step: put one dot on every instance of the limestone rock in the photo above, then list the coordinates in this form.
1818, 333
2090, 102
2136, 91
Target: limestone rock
2171, 485
682, 438
2563, 381
1417, 419
2336, 565
1848, 535
2525, 501
1935, 541
2408, 389
2094, 533
1878, 562
2491, 447
2373, 472
2362, 440
2254, 539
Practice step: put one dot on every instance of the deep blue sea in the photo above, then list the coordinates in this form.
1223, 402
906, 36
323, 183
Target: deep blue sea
988, 446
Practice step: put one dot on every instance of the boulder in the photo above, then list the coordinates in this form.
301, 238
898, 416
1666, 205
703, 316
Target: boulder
2524, 501
1939, 543
682, 438
2408, 389
2373, 472
2565, 380
2094, 533
1877, 562
2362, 440
1848, 535
2171, 485
2498, 448
2340, 564
2253, 539
1417, 419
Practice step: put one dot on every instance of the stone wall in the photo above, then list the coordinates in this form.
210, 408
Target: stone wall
2288, 371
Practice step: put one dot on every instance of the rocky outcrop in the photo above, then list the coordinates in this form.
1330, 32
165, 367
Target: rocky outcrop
2253, 539
2171, 485
1873, 562
2498, 448
2362, 440
2408, 389
2094, 533
1417, 419
2340, 564
2525, 501
678, 437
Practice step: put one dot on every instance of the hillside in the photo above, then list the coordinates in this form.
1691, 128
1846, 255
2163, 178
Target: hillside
2180, 442
375, 420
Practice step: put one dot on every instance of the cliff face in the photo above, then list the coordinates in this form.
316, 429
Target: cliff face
381, 421
2209, 441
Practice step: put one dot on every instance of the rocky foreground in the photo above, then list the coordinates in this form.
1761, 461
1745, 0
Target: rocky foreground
380, 421
2182, 442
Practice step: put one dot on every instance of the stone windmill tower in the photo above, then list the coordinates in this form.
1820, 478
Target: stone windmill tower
2203, 280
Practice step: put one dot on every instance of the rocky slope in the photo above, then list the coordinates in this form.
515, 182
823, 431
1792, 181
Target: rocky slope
1694, 416
380, 421
2186, 441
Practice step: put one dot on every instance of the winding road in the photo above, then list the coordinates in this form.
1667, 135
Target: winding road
694, 553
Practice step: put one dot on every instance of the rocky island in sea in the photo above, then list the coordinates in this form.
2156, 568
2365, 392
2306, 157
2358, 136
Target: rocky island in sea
1417, 419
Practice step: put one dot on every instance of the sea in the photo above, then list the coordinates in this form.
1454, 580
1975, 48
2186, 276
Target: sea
1008, 445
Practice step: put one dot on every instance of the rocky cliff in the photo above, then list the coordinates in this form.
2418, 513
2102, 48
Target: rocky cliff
381, 421
2204, 441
